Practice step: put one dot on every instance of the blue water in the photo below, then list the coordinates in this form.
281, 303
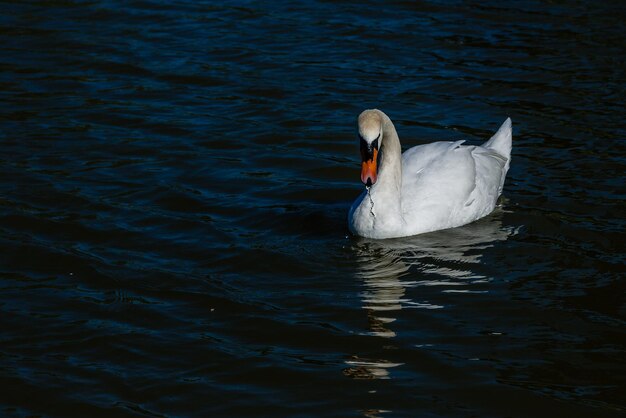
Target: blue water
174, 185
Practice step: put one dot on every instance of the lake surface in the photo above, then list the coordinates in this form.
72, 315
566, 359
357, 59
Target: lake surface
175, 179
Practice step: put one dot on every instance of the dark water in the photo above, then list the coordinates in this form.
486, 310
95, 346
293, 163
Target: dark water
175, 180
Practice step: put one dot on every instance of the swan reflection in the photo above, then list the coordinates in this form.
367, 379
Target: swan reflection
450, 259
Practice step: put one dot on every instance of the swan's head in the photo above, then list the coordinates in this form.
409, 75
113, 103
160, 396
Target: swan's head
370, 139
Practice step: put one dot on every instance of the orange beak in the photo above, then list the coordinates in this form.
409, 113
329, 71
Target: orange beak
369, 170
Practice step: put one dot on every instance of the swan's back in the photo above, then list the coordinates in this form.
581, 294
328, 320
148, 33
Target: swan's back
447, 184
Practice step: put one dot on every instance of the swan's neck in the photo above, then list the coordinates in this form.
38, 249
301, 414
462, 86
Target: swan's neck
386, 191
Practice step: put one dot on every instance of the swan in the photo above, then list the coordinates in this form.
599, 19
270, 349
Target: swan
430, 187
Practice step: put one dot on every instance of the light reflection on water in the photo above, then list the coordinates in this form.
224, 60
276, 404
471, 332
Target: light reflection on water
389, 267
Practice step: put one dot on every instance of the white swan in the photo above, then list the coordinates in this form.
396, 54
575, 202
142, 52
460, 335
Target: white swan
429, 187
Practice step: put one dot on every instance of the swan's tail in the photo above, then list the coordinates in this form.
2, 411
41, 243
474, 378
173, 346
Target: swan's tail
501, 142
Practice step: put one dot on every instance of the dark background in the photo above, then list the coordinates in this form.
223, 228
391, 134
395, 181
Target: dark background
174, 185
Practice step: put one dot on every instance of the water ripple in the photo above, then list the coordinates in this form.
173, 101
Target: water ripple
175, 180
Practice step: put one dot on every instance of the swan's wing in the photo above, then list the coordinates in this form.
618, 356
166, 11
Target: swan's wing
445, 181
491, 168
437, 178
417, 158
501, 141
